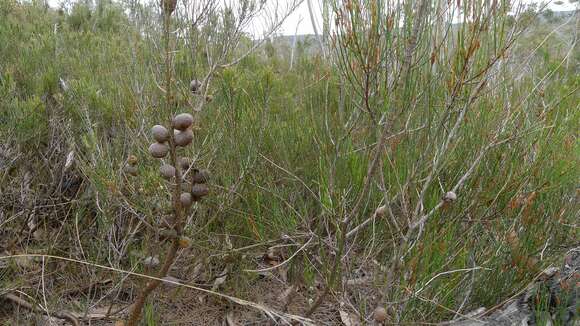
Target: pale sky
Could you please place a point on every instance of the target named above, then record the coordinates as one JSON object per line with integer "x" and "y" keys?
{"x": 305, "y": 26}
{"x": 300, "y": 20}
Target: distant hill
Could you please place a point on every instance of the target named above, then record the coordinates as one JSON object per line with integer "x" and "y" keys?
{"x": 309, "y": 43}
{"x": 306, "y": 43}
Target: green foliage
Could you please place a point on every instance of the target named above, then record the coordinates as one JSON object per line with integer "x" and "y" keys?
{"x": 289, "y": 148}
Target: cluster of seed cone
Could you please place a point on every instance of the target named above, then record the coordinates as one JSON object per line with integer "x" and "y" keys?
{"x": 182, "y": 137}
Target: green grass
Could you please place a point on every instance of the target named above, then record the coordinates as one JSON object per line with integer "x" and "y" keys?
{"x": 296, "y": 162}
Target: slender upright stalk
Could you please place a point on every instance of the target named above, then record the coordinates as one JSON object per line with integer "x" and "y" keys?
{"x": 150, "y": 286}
{"x": 294, "y": 45}
{"x": 314, "y": 26}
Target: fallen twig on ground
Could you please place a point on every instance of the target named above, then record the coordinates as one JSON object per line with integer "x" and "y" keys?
{"x": 64, "y": 315}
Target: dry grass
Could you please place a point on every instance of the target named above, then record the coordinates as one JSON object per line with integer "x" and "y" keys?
{"x": 301, "y": 156}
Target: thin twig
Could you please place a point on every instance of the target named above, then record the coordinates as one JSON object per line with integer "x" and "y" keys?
{"x": 65, "y": 315}
{"x": 268, "y": 311}
{"x": 282, "y": 263}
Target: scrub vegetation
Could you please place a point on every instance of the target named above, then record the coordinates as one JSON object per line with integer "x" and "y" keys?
{"x": 415, "y": 161}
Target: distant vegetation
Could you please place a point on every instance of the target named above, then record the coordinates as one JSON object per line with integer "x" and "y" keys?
{"x": 435, "y": 164}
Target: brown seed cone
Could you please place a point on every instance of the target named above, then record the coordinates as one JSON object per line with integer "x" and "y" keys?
{"x": 380, "y": 314}
{"x": 158, "y": 150}
{"x": 195, "y": 86}
{"x": 132, "y": 160}
{"x": 160, "y": 133}
{"x": 184, "y": 163}
{"x": 183, "y": 138}
{"x": 182, "y": 121}
{"x": 198, "y": 191}
{"x": 186, "y": 199}
{"x": 167, "y": 171}
{"x": 131, "y": 170}
{"x": 201, "y": 176}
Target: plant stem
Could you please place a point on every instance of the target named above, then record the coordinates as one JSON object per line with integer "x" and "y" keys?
{"x": 135, "y": 314}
